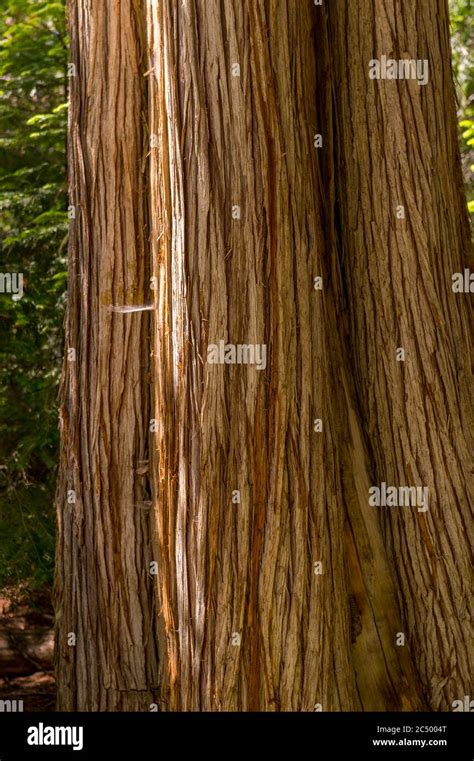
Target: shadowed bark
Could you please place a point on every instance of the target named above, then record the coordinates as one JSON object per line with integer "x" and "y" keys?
{"x": 397, "y": 147}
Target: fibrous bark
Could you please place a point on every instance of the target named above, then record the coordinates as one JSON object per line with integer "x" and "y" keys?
{"x": 106, "y": 648}
{"x": 245, "y": 569}
{"x": 397, "y": 147}
{"x": 201, "y": 194}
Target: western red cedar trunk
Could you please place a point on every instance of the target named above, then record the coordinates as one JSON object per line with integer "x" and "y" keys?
{"x": 247, "y": 497}
{"x": 106, "y": 655}
{"x": 250, "y": 624}
{"x": 385, "y": 674}
{"x": 397, "y": 147}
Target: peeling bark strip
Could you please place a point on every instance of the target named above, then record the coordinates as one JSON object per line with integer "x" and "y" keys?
{"x": 397, "y": 147}
{"x": 249, "y": 623}
{"x": 104, "y": 595}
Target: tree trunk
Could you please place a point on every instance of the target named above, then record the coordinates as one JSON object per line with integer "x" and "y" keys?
{"x": 241, "y": 481}
{"x": 104, "y": 595}
{"x": 250, "y": 622}
{"x": 397, "y": 147}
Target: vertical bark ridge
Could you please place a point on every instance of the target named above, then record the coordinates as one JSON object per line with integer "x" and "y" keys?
{"x": 104, "y": 594}
{"x": 243, "y": 570}
{"x": 398, "y": 146}
{"x": 385, "y": 674}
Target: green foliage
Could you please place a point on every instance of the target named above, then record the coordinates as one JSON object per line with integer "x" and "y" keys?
{"x": 462, "y": 42}
{"x": 33, "y": 232}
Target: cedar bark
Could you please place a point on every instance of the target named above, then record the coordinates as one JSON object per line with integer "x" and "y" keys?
{"x": 165, "y": 140}
{"x": 104, "y": 594}
{"x": 397, "y": 145}
{"x": 247, "y": 568}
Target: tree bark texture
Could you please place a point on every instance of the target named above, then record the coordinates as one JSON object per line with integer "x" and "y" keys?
{"x": 397, "y": 146}
{"x": 239, "y": 569}
{"x": 104, "y": 594}
{"x": 200, "y": 190}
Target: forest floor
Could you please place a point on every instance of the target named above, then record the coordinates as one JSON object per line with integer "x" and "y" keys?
{"x": 26, "y": 654}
